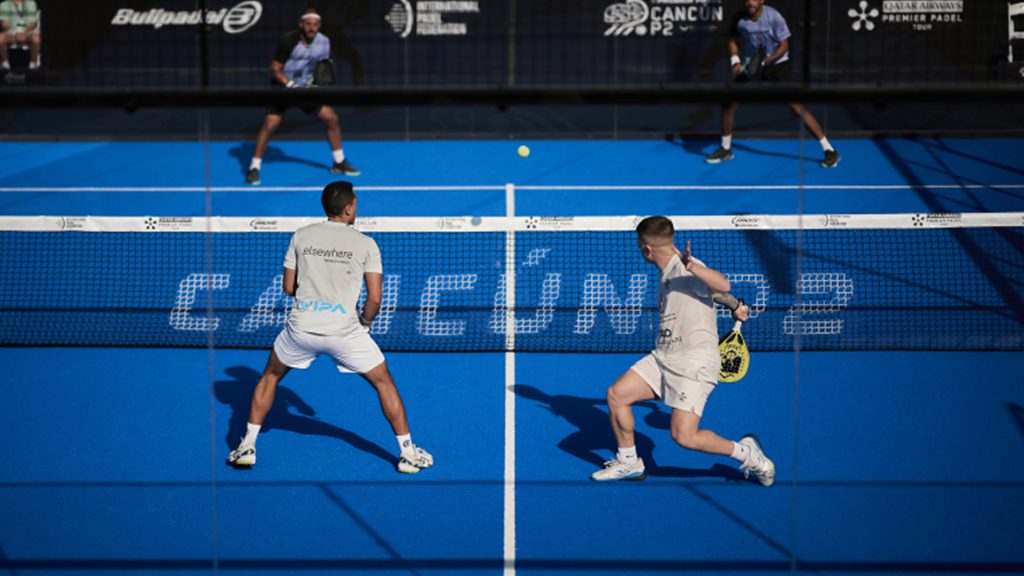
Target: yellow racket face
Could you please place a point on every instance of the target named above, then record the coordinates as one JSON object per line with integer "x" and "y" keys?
{"x": 735, "y": 357}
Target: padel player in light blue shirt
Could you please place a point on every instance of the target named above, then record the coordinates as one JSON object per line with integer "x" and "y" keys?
{"x": 292, "y": 67}
{"x": 759, "y": 52}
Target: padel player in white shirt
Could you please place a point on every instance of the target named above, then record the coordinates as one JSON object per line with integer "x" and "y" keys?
{"x": 683, "y": 368}
{"x": 324, "y": 268}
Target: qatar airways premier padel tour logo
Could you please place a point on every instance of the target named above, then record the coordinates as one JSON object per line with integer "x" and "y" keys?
{"x": 234, "y": 20}
{"x": 920, "y": 15}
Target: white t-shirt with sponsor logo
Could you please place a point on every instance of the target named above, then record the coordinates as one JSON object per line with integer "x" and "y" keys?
{"x": 330, "y": 259}
{"x": 688, "y": 329}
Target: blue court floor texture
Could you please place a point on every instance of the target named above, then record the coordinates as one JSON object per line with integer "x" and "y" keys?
{"x": 112, "y": 460}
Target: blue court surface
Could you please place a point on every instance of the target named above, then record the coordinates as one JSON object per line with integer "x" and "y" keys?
{"x": 888, "y": 462}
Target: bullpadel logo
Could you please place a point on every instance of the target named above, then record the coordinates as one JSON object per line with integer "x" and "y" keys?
{"x": 234, "y": 20}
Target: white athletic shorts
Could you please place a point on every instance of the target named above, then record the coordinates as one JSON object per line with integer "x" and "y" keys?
{"x": 685, "y": 391}
{"x": 356, "y": 352}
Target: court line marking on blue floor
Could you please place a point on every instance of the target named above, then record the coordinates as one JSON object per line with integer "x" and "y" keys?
{"x": 16, "y": 189}
{"x": 509, "y": 507}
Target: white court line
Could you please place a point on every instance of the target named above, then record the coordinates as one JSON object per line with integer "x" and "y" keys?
{"x": 509, "y": 521}
{"x": 236, "y": 188}
{"x": 498, "y": 188}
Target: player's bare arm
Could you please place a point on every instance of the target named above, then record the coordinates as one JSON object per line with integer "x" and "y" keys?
{"x": 740, "y": 311}
{"x": 277, "y": 70}
{"x": 713, "y": 278}
{"x": 781, "y": 51}
{"x": 374, "y": 294}
{"x": 288, "y": 282}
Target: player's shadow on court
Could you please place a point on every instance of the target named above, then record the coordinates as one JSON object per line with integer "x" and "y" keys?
{"x": 702, "y": 147}
{"x": 594, "y": 434}
{"x": 243, "y": 154}
{"x": 290, "y": 412}
{"x": 1017, "y": 413}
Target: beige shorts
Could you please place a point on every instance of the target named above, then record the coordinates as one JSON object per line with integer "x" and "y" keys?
{"x": 356, "y": 352}
{"x": 685, "y": 391}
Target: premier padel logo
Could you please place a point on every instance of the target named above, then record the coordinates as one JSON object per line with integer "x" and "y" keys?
{"x": 234, "y": 20}
{"x": 919, "y": 15}
{"x": 863, "y": 16}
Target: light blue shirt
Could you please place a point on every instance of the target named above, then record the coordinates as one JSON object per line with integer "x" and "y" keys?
{"x": 303, "y": 58}
{"x": 764, "y": 34}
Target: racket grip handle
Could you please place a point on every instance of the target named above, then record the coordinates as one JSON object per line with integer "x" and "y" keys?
{"x": 736, "y": 327}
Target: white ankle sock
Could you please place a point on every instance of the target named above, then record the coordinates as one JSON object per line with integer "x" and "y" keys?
{"x": 403, "y": 441}
{"x": 256, "y": 163}
{"x": 627, "y": 455}
{"x": 727, "y": 142}
{"x": 825, "y": 144}
{"x": 251, "y": 431}
{"x": 740, "y": 453}
{"x": 339, "y": 156}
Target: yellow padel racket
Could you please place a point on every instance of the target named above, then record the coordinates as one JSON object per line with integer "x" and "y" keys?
{"x": 735, "y": 356}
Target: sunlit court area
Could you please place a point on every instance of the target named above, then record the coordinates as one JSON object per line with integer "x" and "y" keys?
{"x": 486, "y": 358}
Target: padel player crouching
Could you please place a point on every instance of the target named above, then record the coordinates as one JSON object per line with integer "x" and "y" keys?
{"x": 324, "y": 269}
{"x": 683, "y": 368}
{"x": 292, "y": 66}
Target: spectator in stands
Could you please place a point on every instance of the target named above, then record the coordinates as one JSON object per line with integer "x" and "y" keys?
{"x": 292, "y": 67}
{"x": 764, "y": 36}
{"x": 19, "y": 25}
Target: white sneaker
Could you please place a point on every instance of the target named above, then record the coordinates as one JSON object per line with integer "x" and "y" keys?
{"x": 5, "y": 65}
{"x": 243, "y": 457}
{"x": 616, "y": 469}
{"x": 414, "y": 459}
{"x": 757, "y": 462}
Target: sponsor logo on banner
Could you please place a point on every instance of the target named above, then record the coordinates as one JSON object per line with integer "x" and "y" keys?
{"x": 835, "y": 220}
{"x": 366, "y": 224}
{"x": 662, "y": 17}
{"x": 234, "y": 20}
{"x": 264, "y": 224}
{"x": 549, "y": 222}
{"x": 937, "y": 220}
{"x": 920, "y": 15}
{"x": 72, "y": 222}
{"x": 168, "y": 223}
{"x": 430, "y": 17}
{"x": 746, "y": 221}
{"x": 1015, "y": 13}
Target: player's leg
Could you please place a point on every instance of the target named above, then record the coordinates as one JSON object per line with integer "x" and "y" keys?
{"x": 266, "y": 388}
{"x": 262, "y": 401}
{"x": 35, "y": 44}
{"x": 412, "y": 458}
{"x": 686, "y": 431}
{"x": 3, "y": 51}
{"x": 270, "y": 125}
{"x": 330, "y": 120}
{"x": 831, "y": 159}
{"x": 391, "y": 404}
{"x": 724, "y": 152}
{"x": 631, "y": 387}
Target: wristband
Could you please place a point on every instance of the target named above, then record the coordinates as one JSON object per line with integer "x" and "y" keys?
{"x": 366, "y": 323}
{"x": 734, "y": 60}
{"x": 290, "y": 84}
